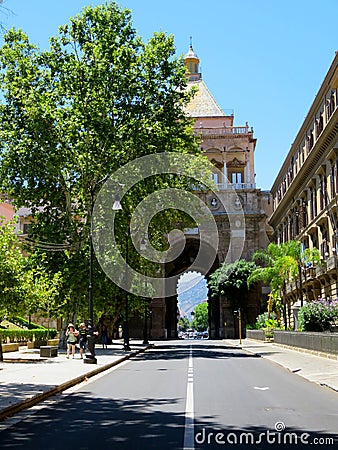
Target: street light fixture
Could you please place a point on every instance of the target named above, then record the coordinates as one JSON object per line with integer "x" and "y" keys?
{"x": 117, "y": 203}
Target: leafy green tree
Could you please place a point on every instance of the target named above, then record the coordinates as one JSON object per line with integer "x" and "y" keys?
{"x": 230, "y": 280}
{"x": 273, "y": 267}
{"x": 44, "y": 293}
{"x": 12, "y": 287}
{"x": 183, "y": 324}
{"x": 201, "y": 317}
{"x": 25, "y": 288}
{"x": 280, "y": 263}
{"x": 301, "y": 257}
{"x": 73, "y": 114}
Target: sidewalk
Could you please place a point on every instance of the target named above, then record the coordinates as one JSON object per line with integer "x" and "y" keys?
{"x": 317, "y": 369}
{"x": 27, "y": 379}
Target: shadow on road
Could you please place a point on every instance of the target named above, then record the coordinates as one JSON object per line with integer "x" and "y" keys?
{"x": 172, "y": 351}
{"x": 84, "y": 422}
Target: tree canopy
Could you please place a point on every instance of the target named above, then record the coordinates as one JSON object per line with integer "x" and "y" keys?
{"x": 201, "y": 317}
{"x": 98, "y": 98}
{"x": 278, "y": 264}
{"x": 12, "y": 285}
{"x": 183, "y": 324}
{"x": 231, "y": 280}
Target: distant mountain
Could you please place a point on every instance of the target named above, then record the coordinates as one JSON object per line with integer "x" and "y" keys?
{"x": 185, "y": 286}
{"x": 191, "y": 292}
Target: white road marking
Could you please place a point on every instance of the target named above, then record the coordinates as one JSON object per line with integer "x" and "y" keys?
{"x": 189, "y": 435}
{"x": 265, "y": 388}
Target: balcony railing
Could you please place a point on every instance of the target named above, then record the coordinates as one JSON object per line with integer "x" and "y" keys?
{"x": 236, "y": 186}
{"x": 331, "y": 262}
{"x": 223, "y": 130}
{"x": 321, "y": 270}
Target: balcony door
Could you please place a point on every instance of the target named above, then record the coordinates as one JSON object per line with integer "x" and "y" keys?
{"x": 236, "y": 178}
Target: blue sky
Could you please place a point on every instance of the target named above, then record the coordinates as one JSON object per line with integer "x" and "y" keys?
{"x": 264, "y": 59}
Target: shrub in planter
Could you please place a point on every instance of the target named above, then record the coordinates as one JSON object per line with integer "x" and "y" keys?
{"x": 270, "y": 326}
{"x": 15, "y": 335}
{"x": 318, "y": 315}
{"x": 262, "y": 321}
{"x": 269, "y": 334}
{"x": 267, "y": 325}
{"x": 22, "y": 336}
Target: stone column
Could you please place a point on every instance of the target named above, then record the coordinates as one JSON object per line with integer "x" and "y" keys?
{"x": 158, "y": 311}
{"x": 225, "y": 175}
{"x": 247, "y": 178}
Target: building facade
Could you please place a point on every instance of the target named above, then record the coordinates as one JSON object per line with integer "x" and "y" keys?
{"x": 231, "y": 150}
{"x": 21, "y": 218}
{"x": 305, "y": 192}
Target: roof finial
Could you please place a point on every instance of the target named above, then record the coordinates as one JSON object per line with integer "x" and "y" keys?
{"x": 191, "y": 41}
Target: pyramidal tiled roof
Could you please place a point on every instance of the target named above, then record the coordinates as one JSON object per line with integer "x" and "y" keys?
{"x": 203, "y": 103}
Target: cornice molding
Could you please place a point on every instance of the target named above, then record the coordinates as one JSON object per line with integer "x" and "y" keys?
{"x": 307, "y": 171}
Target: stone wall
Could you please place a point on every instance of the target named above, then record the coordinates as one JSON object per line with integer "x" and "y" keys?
{"x": 318, "y": 342}
{"x": 256, "y": 334}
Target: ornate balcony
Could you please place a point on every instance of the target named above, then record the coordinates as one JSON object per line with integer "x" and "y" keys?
{"x": 331, "y": 262}
{"x": 223, "y": 130}
{"x": 236, "y": 186}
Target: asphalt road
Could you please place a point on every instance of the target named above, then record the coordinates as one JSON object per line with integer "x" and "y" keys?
{"x": 184, "y": 395}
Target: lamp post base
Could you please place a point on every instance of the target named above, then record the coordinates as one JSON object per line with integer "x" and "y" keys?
{"x": 90, "y": 355}
{"x": 89, "y": 359}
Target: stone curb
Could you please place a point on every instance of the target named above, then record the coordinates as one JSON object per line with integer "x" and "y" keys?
{"x": 29, "y": 402}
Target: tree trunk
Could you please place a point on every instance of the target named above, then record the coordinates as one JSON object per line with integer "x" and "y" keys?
{"x": 1, "y": 354}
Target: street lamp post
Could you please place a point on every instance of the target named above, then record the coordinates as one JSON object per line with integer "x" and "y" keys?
{"x": 143, "y": 246}
{"x": 240, "y": 325}
{"x": 90, "y": 357}
{"x": 116, "y": 207}
{"x": 126, "y": 345}
{"x": 91, "y": 260}
{"x": 238, "y": 315}
{"x": 145, "y": 331}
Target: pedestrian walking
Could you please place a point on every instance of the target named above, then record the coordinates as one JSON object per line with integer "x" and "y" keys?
{"x": 83, "y": 338}
{"x": 104, "y": 336}
{"x": 71, "y": 334}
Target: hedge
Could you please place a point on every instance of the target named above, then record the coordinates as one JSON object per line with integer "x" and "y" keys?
{"x": 27, "y": 335}
{"x": 21, "y": 322}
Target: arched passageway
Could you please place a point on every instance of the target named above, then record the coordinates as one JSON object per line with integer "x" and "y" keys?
{"x": 177, "y": 268}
